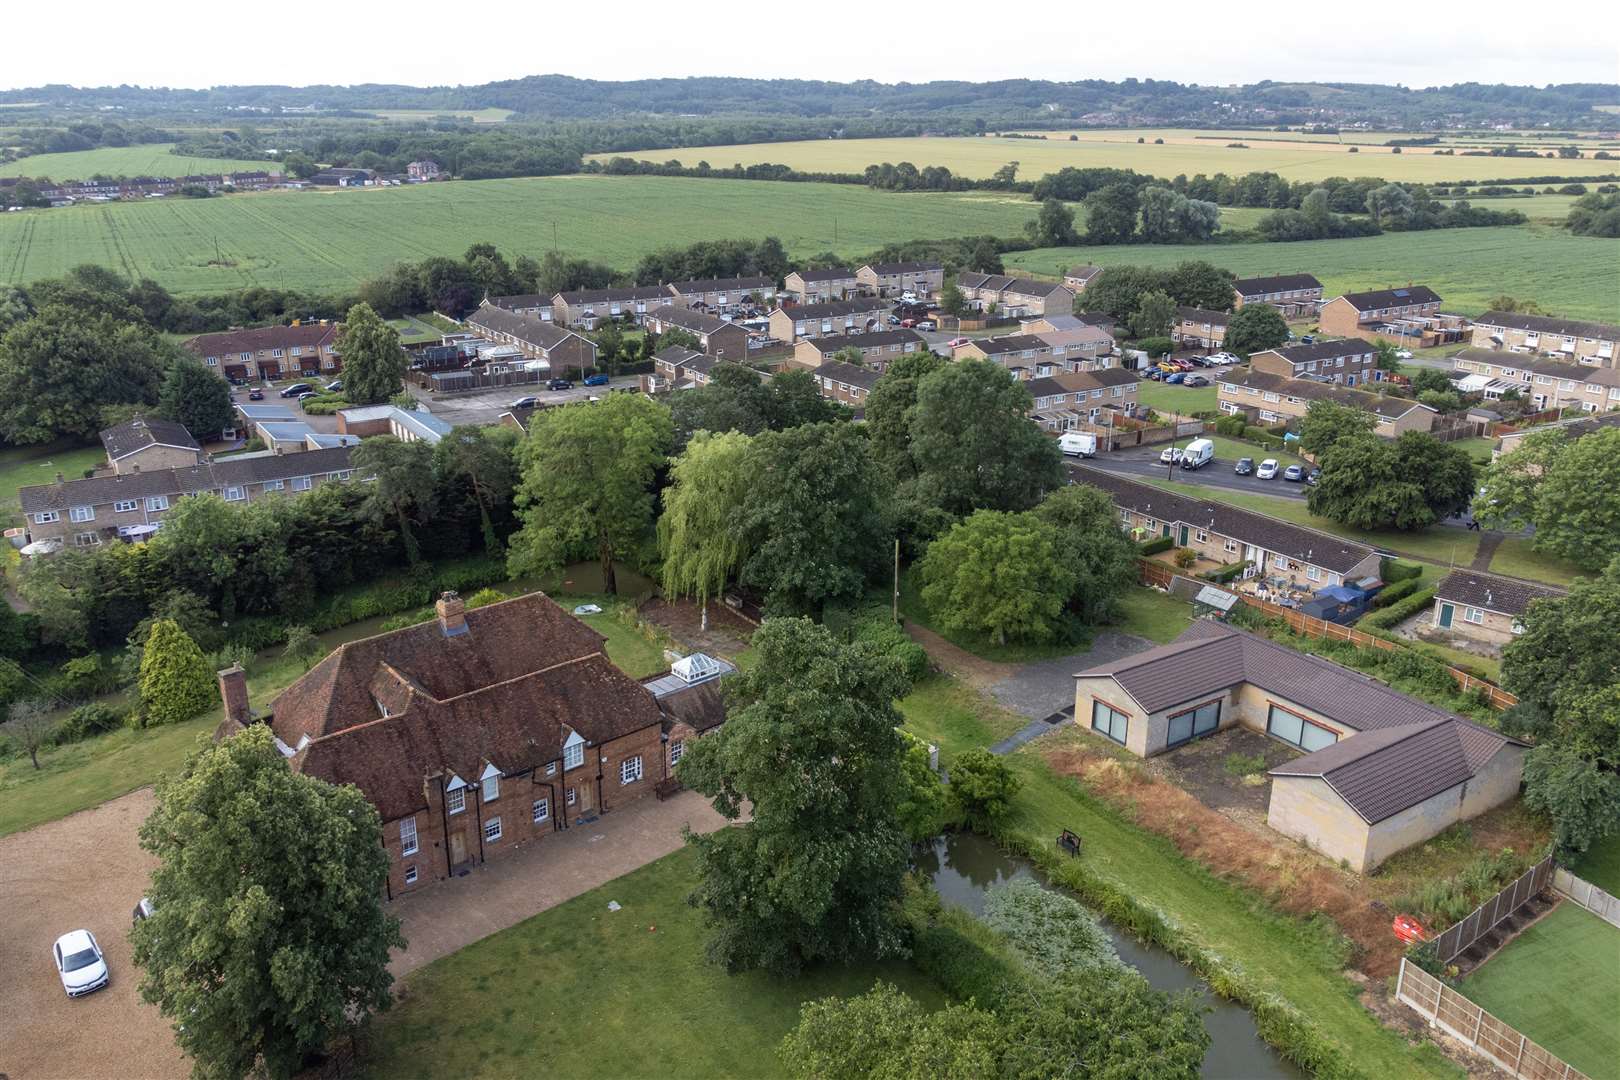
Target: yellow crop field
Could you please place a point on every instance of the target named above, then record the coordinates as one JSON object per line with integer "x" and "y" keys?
{"x": 1181, "y": 152}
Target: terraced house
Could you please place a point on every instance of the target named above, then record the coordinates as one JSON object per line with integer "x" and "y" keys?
{"x": 587, "y": 307}
{"x": 715, "y": 335}
{"x": 1199, "y": 327}
{"x": 1547, "y": 384}
{"x": 722, "y": 294}
{"x": 1069, "y": 399}
{"x": 878, "y": 348}
{"x": 131, "y": 505}
{"x": 1575, "y": 340}
{"x": 858, "y": 316}
{"x": 1265, "y": 398}
{"x": 1016, "y": 298}
{"x": 474, "y": 734}
{"x": 1024, "y": 355}
{"x": 1076, "y": 278}
{"x": 1297, "y": 296}
{"x": 847, "y": 383}
{"x": 819, "y": 286}
{"x": 271, "y": 352}
{"x": 1310, "y": 560}
{"x": 1350, "y": 361}
{"x": 923, "y": 279}
{"x": 534, "y": 338}
{"x": 1410, "y": 316}
{"x": 1379, "y": 772}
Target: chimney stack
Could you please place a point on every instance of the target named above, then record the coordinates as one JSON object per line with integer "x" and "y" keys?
{"x": 452, "y": 614}
{"x": 233, "y": 692}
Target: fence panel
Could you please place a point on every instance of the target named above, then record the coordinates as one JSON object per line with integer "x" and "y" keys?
{"x": 1588, "y": 896}
{"x": 1483, "y": 1033}
{"x": 1489, "y": 915}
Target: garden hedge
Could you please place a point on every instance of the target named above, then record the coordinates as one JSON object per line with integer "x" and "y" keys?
{"x": 1387, "y": 618}
{"x": 1157, "y": 544}
{"x": 1398, "y": 591}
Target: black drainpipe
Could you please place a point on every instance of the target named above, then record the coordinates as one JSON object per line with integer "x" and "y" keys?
{"x": 478, "y": 810}
{"x": 444, "y": 830}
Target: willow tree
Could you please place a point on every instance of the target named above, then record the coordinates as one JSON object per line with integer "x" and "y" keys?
{"x": 700, "y": 537}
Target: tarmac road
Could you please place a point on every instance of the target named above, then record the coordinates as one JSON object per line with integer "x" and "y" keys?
{"x": 1143, "y": 463}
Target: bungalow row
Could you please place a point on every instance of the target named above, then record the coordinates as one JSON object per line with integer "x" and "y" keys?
{"x": 1547, "y": 384}
{"x": 269, "y": 353}
{"x": 1483, "y": 608}
{"x": 1575, "y": 340}
{"x": 1265, "y": 398}
{"x": 1379, "y": 771}
{"x": 1410, "y": 316}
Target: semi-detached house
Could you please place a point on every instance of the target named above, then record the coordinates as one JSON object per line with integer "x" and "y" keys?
{"x": 1014, "y": 297}
{"x": 715, "y": 336}
{"x": 271, "y": 352}
{"x": 1409, "y": 316}
{"x": 1199, "y": 326}
{"x": 924, "y": 279}
{"x": 819, "y": 286}
{"x": 1066, "y": 400}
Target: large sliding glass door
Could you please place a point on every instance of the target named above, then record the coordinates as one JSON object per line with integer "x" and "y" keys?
{"x": 1293, "y": 728}
{"x": 1192, "y": 723}
{"x": 1109, "y": 722}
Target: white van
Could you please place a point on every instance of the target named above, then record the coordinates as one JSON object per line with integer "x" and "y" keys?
{"x": 1078, "y": 444}
{"x": 1199, "y": 452}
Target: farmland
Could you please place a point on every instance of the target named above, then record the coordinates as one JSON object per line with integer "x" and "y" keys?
{"x": 331, "y": 241}
{"x": 152, "y": 159}
{"x": 1576, "y": 276}
{"x": 1180, "y": 153}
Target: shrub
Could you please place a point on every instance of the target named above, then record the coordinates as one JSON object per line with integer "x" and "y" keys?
{"x": 1243, "y": 764}
{"x": 87, "y": 676}
{"x": 1393, "y": 570}
{"x": 1227, "y": 573}
{"x": 877, "y": 628}
{"x": 1185, "y": 557}
{"x": 1156, "y": 347}
{"x": 1157, "y": 544}
{"x": 1231, "y": 425}
{"x": 1440, "y": 903}
{"x": 1388, "y": 617}
{"x": 1391, "y": 593}
{"x": 87, "y": 720}
{"x": 227, "y": 655}
{"x": 982, "y": 786}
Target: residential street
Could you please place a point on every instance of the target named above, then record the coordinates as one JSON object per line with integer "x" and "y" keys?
{"x": 1143, "y": 463}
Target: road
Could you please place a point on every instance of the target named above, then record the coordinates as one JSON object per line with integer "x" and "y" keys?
{"x": 1143, "y": 463}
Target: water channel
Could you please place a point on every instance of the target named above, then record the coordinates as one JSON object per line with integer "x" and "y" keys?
{"x": 964, "y": 867}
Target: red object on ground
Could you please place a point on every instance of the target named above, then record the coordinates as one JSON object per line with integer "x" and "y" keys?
{"x": 1408, "y": 929}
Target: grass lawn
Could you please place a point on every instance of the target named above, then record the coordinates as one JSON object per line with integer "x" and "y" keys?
{"x": 1167, "y": 397}
{"x": 412, "y": 332}
{"x": 1153, "y": 615}
{"x": 1601, "y": 865}
{"x": 1229, "y": 450}
{"x": 1477, "y": 448}
{"x": 1559, "y": 984}
{"x": 151, "y": 159}
{"x": 632, "y": 645}
{"x": 21, "y": 466}
{"x": 1516, "y": 558}
{"x": 577, "y": 986}
{"x": 1292, "y": 959}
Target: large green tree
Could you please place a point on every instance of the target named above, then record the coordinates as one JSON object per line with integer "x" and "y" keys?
{"x": 888, "y": 411}
{"x": 1111, "y": 214}
{"x": 1569, "y": 490}
{"x": 1154, "y": 313}
{"x": 268, "y": 937}
{"x": 737, "y": 399}
{"x": 373, "y": 362}
{"x": 698, "y": 536}
{"x": 176, "y": 683}
{"x": 1096, "y": 550}
{"x": 1328, "y": 423}
{"x": 812, "y": 745}
{"x": 196, "y": 399}
{"x": 399, "y": 486}
{"x": 998, "y": 576}
{"x": 61, "y": 368}
{"x": 587, "y": 484}
{"x": 481, "y": 462}
{"x": 1054, "y": 225}
{"x": 1409, "y": 484}
{"x": 1254, "y": 328}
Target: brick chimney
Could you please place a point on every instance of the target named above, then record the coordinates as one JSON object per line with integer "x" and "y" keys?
{"x": 233, "y": 692}
{"x": 452, "y": 614}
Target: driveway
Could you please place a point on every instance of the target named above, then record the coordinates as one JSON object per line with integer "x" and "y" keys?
{"x": 1040, "y": 689}
{"x": 85, "y": 871}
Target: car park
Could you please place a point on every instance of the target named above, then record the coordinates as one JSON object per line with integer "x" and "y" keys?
{"x": 599, "y": 379}
{"x": 296, "y": 389}
{"x": 1244, "y": 466}
{"x": 1267, "y": 469}
{"x": 528, "y": 402}
{"x": 559, "y": 384}
{"x": 1176, "y": 377}
{"x": 1294, "y": 473}
{"x": 79, "y": 962}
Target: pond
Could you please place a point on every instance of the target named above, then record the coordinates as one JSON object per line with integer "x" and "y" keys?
{"x": 964, "y": 867}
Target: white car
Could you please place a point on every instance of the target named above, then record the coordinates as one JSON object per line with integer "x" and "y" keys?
{"x": 1403, "y": 354}
{"x": 1221, "y": 358}
{"x": 1170, "y": 456}
{"x": 79, "y": 962}
{"x": 1267, "y": 469}
{"x": 908, "y": 298}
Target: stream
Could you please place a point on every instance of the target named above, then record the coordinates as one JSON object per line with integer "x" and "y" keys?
{"x": 964, "y": 867}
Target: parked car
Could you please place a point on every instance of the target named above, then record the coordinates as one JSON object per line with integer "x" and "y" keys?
{"x": 527, "y": 402}
{"x": 956, "y": 342}
{"x": 894, "y": 320}
{"x": 1313, "y": 476}
{"x": 1223, "y": 358}
{"x": 926, "y": 324}
{"x": 1244, "y": 466}
{"x": 143, "y": 910}
{"x": 1152, "y": 373}
{"x": 1170, "y": 455}
{"x": 599, "y": 379}
{"x": 1294, "y": 473}
{"x": 907, "y": 324}
{"x": 1199, "y": 452}
{"x": 1176, "y": 377}
{"x": 305, "y": 396}
{"x": 334, "y": 386}
{"x": 79, "y": 963}
{"x": 908, "y": 298}
{"x": 1267, "y": 469}
{"x": 1403, "y": 354}
{"x": 1307, "y": 339}
{"x": 255, "y": 394}
{"x": 1196, "y": 380}
{"x": 559, "y": 384}
{"x": 297, "y": 388}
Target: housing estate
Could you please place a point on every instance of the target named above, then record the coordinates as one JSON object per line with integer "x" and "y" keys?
{"x": 1066, "y": 400}
{"x": 474, "y": 733}
{"x": 922, "y": 279}
{"x": 675, "y": 367}
{"x": 1410, "y": 316}
{"x": 877, "y": 348}
{"x": 1547, "y": 384}
{"x": 1265, "y": 398}
{"x": 715, "y": 335}
{"x": 1083, "y": 348}
{"x": 586, "y": 307}
{"x": 1484, "y": 608}
{"x": 832, "y": 317}
{"x": 130, "y": 505}
{"x": 1295, "y": 295}
{"x": 271, "y": 352}
{"x": 141, "y": 443}
{"x": 1380, "y": 771}
{"x": 1570, "y": 339}
{"x": 1201, "y": 327}
{"x": 723, "y": 294}
{"x": 847, "y": 383}
{"x": 1042, "y": 324}
{"x": 1024, "y": 355}
{"x": 534, "y": 338}
{"x": 1014, "y": 297}
{"x": 1349, "y": 361}
{"x": 1310, "y": 560}
{"x": 1076, "y": 278}
{"x": 818, "y": 286}
{"x": 526, "y": 304}
{"x": 1576, "y": 428}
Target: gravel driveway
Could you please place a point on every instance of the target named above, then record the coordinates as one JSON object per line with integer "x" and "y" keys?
{"x": 1040, "y": 689}
{"x": 85, "y": 871}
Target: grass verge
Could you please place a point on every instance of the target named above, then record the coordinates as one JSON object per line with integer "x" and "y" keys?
{"x": 1516, "y": 558}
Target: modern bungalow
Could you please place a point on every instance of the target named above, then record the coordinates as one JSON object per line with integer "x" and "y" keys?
{"x": 1484, "y": 608}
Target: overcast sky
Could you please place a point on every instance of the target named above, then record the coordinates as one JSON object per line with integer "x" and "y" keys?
{"x": 191, "y": 43}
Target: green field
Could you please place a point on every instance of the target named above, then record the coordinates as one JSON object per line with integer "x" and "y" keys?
{"x": 331, "y": 241}
{"x": 1559, "y": 984}
{"x": 1181, "y": 153}
{"x": 1601, "y": 865}
{"x": 22, "y": 466}
{"x": 1576, "y": 276}
{"x": 477, "y": 116}
{"x": 152, "y": 159}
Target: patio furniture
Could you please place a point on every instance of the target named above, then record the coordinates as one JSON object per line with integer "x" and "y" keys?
{"x": 1069, "y": 842}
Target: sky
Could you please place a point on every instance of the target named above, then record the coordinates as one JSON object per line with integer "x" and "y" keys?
{"x": 191, "y": 43}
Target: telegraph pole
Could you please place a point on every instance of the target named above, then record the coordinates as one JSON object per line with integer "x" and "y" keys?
{"x": 897, "y": 579}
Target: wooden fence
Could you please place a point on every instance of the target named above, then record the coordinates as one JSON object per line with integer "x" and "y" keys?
{"x": 1159, "y": 575}
{"x": 1489, "y": 915}
{"x": 1587, "y": 895}
{"x": 1483, "y": 1033}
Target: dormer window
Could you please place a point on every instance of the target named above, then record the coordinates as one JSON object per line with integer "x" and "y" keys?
{"x": 455, "y": 795}
{"x": 573, "y": 751}
{"x": 492, "y": 783}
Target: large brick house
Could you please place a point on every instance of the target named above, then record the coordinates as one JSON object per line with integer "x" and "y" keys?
{"x": 819, "y": 286}
{"x": 1014, "y": 297}
{"x": 1349, "y": 361}
{"x": 1547, "y": 384}
{"x": 1409, "y": 316}
{"x": 715, "y": 336}
{"x": 271, "y": 352}
{"x": 475, "y": 733}
{"x": 924, "y": 279}
{"x": 1295, "y": 295}
{"x": 1576, "y": 340}
{"x": 149, "y": 444}
{"x": 1265, "y": 398}
{"x": 857, "y": 316}
{"x": 534, "y": 338}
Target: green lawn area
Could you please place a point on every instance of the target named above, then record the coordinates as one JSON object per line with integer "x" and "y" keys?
{"x": 1559, "y": 984}
{"x": 1516, "y": 558}
{"x": 631, "y": 644}
{"x": 1164, "y": 397}
{"x": 413, "y": 332}
{"x": 1154, "y": 615}
{"x": 1229, "y": 450}
{"x": 595, "y": 993}
{"x": 21, "y": 466}
{"x": 1287, "y": 956}
{"x": 151, "y": 159}
{"x": 1601, "y": 865}
{"x": 1477, "y": 448}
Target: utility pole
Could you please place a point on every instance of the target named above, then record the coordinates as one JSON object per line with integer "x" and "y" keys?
{"x": 897, "y": 579}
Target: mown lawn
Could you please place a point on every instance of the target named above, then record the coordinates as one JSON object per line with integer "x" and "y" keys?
{"x": 1516, "y": 558}
{"x": 1168, "y": 397}
{"x": 581, "y": 991}
{"x": 1601, "y": 865}
{"x": 1559, "y": 984}
{"x": 1153, "y": 615}
{"x": 634, "y": 646}
{"x": 1296, "y": 961}
{"x": 22, "y": 466}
